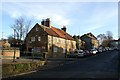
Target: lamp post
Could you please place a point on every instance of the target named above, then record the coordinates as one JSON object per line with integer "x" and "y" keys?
{"x": 65, "y": 45}
{"x": 14, "y": 47}
{"x": 2, "y": 43}
{"x": 32, "y": 54}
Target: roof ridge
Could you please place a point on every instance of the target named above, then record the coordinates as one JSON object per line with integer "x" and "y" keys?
{"x": 42, "y": 26}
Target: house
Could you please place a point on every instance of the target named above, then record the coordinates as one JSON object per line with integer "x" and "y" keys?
{"x": 106, "y": 43}
{"x": 47, "y": 38}
{"x": 90, "y": 41}
{"x": 114, "y": 43}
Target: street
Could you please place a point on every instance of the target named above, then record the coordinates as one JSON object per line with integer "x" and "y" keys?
{"x": 100, "y": 66}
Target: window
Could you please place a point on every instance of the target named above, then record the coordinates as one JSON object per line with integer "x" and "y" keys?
{"x": 60, "y": 41}
{"x": 39, "y": 38}
{"x": 32, "y": 38}
{"x": 36, "y": 29}
{"x": 55, "y": 49}
{"x": 50, "y": 40}
{"x": 55, "y": 39}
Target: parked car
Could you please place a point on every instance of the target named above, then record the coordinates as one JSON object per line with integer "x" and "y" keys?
{"x": 103, "y": 50}
{"x": 107, "y": 48}
{"x": 115, "y": 48}
{"x": 93, "y": 51}
{"x": 77, "y": 53}
{"x": 110, "y": 49}
{"x": 87, "y": 53}
{"x": 80, "y": 53}
{"x": 72, "y": 55}
{"x": 99, "y": 50}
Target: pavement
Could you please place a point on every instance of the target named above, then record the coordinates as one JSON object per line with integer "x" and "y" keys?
{"x": 55, "y": 62}
{"x": 29, "y": 59}
{"x": 5, "y": 61}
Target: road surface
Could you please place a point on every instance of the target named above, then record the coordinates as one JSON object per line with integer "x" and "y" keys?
{"x": 103, "y": 66}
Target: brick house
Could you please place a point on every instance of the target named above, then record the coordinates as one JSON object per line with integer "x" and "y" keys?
{"x": 90, "y": 41}
{"x": 46, "y": 38}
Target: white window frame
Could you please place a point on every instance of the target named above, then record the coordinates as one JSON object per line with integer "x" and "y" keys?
{"x": 39, "y": 38}
{"x": 32, "y": 38}
{"x": 55, "y": 49}
{"x": 55, "y": 39}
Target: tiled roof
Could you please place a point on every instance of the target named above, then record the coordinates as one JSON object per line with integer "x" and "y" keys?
{"x": 91, "y": 35}
{"x": 50, "y": 31}
{"x": 61, "y": 33}
{"x": 57, "y": 32}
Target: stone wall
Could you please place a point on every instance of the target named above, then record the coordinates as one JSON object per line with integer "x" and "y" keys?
{"x": 56, "y": 45}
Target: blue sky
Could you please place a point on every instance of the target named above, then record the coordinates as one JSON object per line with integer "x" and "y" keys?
{"x": 79, "y": 17}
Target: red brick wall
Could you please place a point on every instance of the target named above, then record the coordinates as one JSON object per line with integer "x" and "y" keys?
{"x": 8, "y": 54}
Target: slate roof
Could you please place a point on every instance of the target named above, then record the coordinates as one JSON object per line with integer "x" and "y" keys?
{"x": 89, "y": 35}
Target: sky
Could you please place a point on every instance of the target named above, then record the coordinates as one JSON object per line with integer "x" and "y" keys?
{"x": 80, "y": 17}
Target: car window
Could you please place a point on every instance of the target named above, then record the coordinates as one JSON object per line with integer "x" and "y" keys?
{"x": 76, "y": 51}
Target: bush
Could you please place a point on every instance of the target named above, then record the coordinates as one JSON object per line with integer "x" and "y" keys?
{"x": 15, "y": 68}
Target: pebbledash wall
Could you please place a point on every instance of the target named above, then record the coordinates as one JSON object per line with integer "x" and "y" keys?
{"x": 9, "y": 54}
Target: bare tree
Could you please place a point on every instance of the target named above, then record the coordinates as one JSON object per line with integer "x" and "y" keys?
{"x": 105, "y": 38}
{"x": 21, "y": 27}
{"x": 109, "y": 35}
{"x": 101, "y": 38}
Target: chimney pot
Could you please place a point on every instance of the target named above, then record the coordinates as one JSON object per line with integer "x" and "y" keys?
{"x": 46, "y": 22}
{"x": 64, "y": 28}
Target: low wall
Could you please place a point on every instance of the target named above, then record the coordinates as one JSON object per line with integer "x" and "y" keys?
{"x": 8, "y": 54}
{"x": 10, "y": 69}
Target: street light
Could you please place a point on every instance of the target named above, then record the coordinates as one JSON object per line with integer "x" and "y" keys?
{"x": 14, "y": 47}
{"x": 32, "y": 50}
{"x": 32, "y": 54}
{"x": 2, "y": 44}
{"x": 65, "y": 45}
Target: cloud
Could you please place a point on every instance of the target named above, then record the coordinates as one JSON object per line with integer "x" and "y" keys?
{"x": 61, "y": 20}
{"x": 39, "y": 11}
{"x": 16, "y": 14}
{"x": 84, "y": 16}
{"x": 12, "y": 9}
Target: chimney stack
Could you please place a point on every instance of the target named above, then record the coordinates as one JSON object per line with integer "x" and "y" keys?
{"x": 46, "y": 22}
{"x": 43, "y": 22}
{"x": 64, "y": 28}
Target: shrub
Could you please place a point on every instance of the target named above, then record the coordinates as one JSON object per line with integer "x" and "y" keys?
{"x": 15, "y": 68}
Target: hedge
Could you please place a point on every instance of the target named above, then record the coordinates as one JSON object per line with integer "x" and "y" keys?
{"x": 16, "y": 68}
